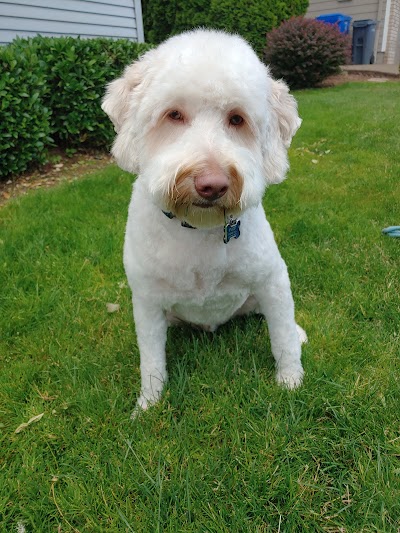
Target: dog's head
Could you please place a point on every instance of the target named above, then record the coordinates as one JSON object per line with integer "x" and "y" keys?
{"x": 203, "y": 124}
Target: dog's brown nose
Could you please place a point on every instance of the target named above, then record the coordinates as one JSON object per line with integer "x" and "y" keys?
{"x": 211, "y": 186}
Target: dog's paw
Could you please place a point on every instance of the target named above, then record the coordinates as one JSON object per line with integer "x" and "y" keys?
{"x": 302, "y": 335}
{"x": 290, "y": 377}
{"x": 136, "y": 412}
{"x": 142, "y": 405}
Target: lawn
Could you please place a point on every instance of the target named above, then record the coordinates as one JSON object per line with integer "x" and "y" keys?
{"x": 226, "y": 450}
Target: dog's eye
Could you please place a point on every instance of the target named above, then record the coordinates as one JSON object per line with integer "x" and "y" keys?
{"x": 236, "y": 120}
{"x": 176, "y": 115}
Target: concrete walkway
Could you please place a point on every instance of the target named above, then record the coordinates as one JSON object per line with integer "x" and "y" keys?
{"x": 375, "y": 69}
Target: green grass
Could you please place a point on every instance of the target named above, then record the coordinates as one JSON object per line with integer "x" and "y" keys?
{"x": 226, "y": 450}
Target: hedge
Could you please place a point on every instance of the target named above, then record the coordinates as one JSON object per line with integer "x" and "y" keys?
{"x": 24, "y": 116}
{"x": 250, "y": 18}
{"x": 51, "y": 90}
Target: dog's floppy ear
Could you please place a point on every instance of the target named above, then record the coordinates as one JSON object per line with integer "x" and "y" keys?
{"x": 285, "y": 107}
{"x": 284, "y": 123}
{"x": 123, "y": 99}
{"x": 118, "y": 93}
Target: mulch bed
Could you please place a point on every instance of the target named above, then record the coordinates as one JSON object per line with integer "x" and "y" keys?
{"x": 61, "y": 168}
{"x": 348, "y": 76}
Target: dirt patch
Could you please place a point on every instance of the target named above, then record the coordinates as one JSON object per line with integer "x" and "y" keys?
{"x": 347, "y": 77}
{"x": 60, "y": 168}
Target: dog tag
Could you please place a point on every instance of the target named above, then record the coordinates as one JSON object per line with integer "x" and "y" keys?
{"x": 231, "y": 229}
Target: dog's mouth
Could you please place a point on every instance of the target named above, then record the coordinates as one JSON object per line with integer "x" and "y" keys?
{"x": 204, "y": 215}
{"x": 204, "y": 205}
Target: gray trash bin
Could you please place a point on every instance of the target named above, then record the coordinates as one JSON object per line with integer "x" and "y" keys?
{"x": 363, "y": 42}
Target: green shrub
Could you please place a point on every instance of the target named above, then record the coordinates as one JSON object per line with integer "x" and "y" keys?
{"x": 77, "y": 71}
{"x": 24, "y": 118}
{"x": 158, "y": 19}
{"x": 51, "y": 90}
{"x": 251, "y": 19}
{"x": 254, "y": 19}
{"x": 306, "y": 51}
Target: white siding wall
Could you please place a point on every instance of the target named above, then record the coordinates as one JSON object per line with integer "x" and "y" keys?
{"x": 86, "y": 18}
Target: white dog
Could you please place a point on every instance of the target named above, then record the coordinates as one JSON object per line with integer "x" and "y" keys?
{"x": 206, "y": 128}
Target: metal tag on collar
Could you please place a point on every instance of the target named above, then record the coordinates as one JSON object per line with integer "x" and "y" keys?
{"x": 231, "y": 229}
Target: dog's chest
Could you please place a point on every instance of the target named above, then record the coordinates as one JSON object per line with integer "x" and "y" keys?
{"x": 207, "y": 297}
{"x": 204, "y": 285}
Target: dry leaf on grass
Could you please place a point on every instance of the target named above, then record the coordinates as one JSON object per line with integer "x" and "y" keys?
{"x": 112, "y": 308}
{"x": 30, "y": 421}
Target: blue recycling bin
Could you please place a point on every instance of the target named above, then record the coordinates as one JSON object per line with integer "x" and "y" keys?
{"x": 337, "y": 19}
{"x": 363, "y": 42}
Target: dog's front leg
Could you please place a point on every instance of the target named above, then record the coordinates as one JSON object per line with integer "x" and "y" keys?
{"x": 276, "y": 304}
{"x": 151, "y": 333}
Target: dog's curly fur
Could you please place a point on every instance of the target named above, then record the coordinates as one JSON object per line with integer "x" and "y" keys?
{"x": 206, "y": 128}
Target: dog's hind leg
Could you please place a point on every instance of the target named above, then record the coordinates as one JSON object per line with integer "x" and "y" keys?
{"x": 251, "y": 306}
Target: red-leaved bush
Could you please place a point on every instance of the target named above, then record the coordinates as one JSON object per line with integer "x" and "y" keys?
{"x": 306, "y": 51}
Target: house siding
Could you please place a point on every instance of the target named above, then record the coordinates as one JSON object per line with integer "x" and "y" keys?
{"x": 386, "y": 50}
{"x": 357, "y": 9}
{"x": 393, "y": 41}
{"x": 84, "y": 18}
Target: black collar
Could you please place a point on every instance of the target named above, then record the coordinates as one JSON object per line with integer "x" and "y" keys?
{"x": 231, "y": 226}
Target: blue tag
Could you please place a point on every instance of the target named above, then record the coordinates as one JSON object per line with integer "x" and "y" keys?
{"x": 231, "y": 229}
